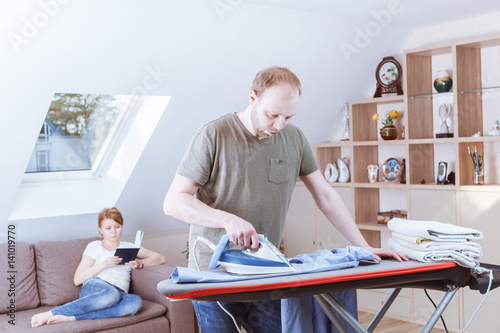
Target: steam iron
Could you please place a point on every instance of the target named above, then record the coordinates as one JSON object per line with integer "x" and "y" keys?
{"x": 267, "y": 259}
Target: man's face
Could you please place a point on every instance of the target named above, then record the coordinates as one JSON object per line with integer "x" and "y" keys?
{"x": 273, "y": 110}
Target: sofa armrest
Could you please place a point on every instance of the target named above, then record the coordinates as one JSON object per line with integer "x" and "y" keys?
{"x": 179, "y": 313}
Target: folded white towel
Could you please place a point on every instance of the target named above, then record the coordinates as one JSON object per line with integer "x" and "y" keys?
{"x": 470, "y": 249}
{"x": 433, "y": 256}
{"x": 433, "y": 230}
{"x": 411, "y": 239}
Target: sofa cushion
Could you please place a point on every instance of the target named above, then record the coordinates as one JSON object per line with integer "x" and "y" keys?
{"x": 148, "y": 311}
{"x": 56, "y": 263}
{"x": 20, "y": 286}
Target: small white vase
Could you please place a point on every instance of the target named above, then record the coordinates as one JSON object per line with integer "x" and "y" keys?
{"x": 343, "y": 170}
{"x": 372, "y": 173}
{"x": 331, "y": 173}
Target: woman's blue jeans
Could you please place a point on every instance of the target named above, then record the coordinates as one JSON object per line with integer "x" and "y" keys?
{"x": 100, "y": 299}
{"x": 255, "y": 317}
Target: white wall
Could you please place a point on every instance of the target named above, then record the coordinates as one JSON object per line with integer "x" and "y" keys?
{"x": 205, "y": 59}
{"x": 483, "y": 25}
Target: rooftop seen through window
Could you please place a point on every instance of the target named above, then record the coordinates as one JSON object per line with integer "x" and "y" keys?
{"x": 78, "y": 131}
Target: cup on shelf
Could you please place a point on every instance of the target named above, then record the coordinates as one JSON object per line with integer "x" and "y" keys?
{"x": 477, "y": 161}
{"x": 479, "y": 175}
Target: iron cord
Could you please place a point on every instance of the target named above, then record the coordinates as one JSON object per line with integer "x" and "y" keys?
{"x": 478, "y": 270}
{"x": 204, "y": 240}
{"x": 442, "y": 319}
{"x": 490, "y": 272}
{"x": 230, "y": 315}
{"x": 212, "y": 246}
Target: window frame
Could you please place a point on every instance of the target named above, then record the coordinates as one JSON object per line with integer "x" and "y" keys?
{"x": 105, "y": 154}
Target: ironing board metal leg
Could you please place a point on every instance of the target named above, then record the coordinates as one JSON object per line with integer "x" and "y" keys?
{"x": 440, "y": 308}
{"x": 329, "y": 312}
{"x": 381, "y": 313}
{"x": 346, "y": 315}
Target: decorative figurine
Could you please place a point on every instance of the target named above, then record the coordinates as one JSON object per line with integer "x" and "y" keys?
{"x": 451, "y": 178}
{"x": 496, "y": 129}
{"x": 402, "y": 178}
{"x": 331, "y": 173}
{"x": 346, "y": 132}
{"x": 343, "y": 170}
{"x": 444, "y": 114}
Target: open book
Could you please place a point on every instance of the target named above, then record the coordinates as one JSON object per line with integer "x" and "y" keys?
{"x": 129, "y": 253}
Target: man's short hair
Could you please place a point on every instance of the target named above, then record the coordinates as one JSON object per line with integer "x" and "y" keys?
{"x": 272, "y": 76}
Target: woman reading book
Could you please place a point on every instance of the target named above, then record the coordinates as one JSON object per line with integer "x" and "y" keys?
{"x": 104, "y": 292}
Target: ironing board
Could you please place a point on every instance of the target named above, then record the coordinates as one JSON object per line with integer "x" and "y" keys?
{"x": 446, "y": 276}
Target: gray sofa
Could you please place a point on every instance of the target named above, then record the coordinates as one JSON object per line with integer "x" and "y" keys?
{"x": 38, "y": 277}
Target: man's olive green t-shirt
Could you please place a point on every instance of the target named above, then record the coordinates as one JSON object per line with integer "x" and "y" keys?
{"x": 242, "y": 175}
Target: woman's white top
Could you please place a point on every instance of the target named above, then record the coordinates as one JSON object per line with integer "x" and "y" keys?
{"x": 118, "y": 275}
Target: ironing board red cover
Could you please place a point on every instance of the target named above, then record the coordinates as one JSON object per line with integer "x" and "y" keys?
{"x": 387, "y": 274}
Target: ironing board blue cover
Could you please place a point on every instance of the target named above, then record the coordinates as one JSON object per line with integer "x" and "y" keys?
{"x": 322, "y": 260}
{"x": 387, "y": 274}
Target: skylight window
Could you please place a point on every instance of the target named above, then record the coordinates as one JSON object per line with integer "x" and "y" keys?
{"x": 78, "y": 132}
{"x": 63, "y": 193}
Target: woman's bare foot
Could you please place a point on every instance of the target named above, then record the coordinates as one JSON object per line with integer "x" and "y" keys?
{"x": 40, "y": 319}
{"x": 60, "y": 319}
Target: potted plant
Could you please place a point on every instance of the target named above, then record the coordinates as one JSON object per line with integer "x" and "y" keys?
{"x": 389, "y": 131}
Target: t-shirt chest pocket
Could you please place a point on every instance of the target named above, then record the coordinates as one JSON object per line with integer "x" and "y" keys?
{"x": 278, "y": 171}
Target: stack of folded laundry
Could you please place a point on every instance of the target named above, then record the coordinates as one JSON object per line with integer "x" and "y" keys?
{"x": 432, "y": 241}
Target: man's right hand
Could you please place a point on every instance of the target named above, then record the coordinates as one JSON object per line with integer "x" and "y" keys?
{"x": 181, "y": 203}
{"x": 242, "y": 232}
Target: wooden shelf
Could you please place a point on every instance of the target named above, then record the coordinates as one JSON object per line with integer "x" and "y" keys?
{"x": 346, "y": 143}
{"x": 373, "y": 226}
{"x": 474, "y": 109}
{"x": 432, "y": 141}
{"x": 380, "y": 100}
{"x": 480, "y": 90}
{"x": 381, "y": 185}
{"x": 433, "y": 186}
{"x": 480, "y": 139}
{"x": 419, "y": 147}
{"x": 337, "y": 184}
{"x": 480, "y": 188}
{"x": 379, "y": 143}
{"x": 432, "y": 95}
{"x": 429, "y": 186}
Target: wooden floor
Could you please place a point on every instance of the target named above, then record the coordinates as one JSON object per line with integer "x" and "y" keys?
{"x": 386, "y": 325}
{"x": 390, "y": 325}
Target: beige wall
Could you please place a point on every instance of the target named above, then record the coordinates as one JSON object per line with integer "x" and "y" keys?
{"x": 169, "y": 243}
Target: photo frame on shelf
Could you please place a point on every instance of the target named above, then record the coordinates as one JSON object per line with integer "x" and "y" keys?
{"x": 391, "y": 169}
{"x": 389, "y": 77}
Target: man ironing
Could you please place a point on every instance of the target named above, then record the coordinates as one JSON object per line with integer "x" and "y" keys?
{"x": 237, "y": 177}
